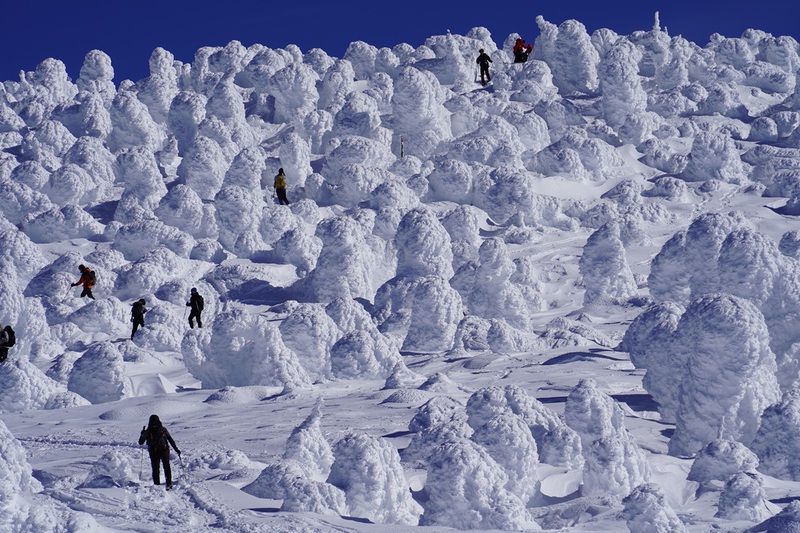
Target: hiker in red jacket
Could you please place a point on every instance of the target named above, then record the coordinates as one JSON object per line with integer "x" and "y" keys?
{"x": 521, "y": 51}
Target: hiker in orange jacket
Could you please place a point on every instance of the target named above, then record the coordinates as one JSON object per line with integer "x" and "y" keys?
{"x": 87, "y": 280}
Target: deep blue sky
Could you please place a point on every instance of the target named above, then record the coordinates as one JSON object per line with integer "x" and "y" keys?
{"x": 129, "y": 30}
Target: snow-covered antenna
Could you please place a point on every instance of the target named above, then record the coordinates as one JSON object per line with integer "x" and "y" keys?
{"x": 657, "y": 23}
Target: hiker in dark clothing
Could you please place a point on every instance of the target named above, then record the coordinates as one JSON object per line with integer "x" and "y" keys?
{"x": 7, "y": 340}
{"x": 87, "y": 280}
{"x": 484, "y": 60}
{"x": 280, "y": 187}
{"x": 196, "y": 303}
{"x": 158, "y": 441}
{"x": 138, "y": 310}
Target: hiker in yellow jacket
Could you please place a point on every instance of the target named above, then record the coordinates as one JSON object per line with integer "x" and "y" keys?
{"x": 280, "y": 187}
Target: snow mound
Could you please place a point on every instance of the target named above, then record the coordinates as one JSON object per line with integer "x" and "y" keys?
{"x": 242, "y": 349}
{"x": 646, "y": 510}
{"x": 774, "y": 443}
{"x": 720, "y": 459}
{"x": 99, "y": 374}
{"x": 466, "y": 490}
{"x": 368, "y": 470}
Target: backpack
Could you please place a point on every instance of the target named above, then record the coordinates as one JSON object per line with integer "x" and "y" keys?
{"x": 12, "y": 337}
{"x": 200, "y": 303}
{"x": 92, "y": 275}
{"x": 157, "y": 439}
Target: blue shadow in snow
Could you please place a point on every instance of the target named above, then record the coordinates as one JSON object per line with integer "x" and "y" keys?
{"x": 259, "y": 292}
{"x": 572, "y": 357}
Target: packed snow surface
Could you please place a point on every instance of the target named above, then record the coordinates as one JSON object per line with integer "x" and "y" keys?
{"x": 566, "y": 300}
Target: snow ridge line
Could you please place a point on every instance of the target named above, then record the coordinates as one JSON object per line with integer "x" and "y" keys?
{"x": 72, "y": 442}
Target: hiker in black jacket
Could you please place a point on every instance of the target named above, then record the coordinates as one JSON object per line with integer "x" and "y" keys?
{"x": 138, "y": 310}
{"x": 196, "y": 304}
{"x": 158, "y": 440}
{"x": 484, "y": 60}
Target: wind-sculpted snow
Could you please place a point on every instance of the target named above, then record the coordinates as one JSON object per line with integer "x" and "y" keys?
{"x": 647, "y": 511}
{"x": 20, "y": 508}
{"x": 744, "y": 498}
{"x": 146, "y": 275}
{"x": 648, "y": 341}
{"x": 721, "y": 459}
{"x": 614, "y": 463}
{"x": 681, "y": 270}
{"x": 99, "y": 374}
{"x": 569, "y": 52}
{"x": 488, "y": 291}
{"x": 714, "y": 156}
{"x": 724, "y": 338}
{"x": 113, "y": 469}
{"x": 369, "y": 472}
{"x": 342, "y": 268}
{"x": 310, "y": 333}
{"x": 242, "y": 349}
{"x": 606, "y": 274}
{"x": 775, "y": 443}
{"x": 555, "y": 443}
{"x": 308, "y": 446}
{"x": 466, "y": 490}
{"x": 419, "y": 114}
{"x": 450, "y": 250}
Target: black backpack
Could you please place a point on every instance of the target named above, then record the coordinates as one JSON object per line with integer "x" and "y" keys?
{"x": 157, "y": 439}
{"x": 92, "y": 276}
{"x": 200, "y": 303}
{"x": 12, "y": 337}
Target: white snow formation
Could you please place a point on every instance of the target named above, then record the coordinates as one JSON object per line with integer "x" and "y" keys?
{"x": 565, "y": 300}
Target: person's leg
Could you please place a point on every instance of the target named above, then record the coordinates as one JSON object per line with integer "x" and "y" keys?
{"x": 199, "y": 320}
{"x": 282, "y": 196}
{"x": 191, "y": 319}
{"x": 167, "y": 468}
{"x": 136, "y": 324}
{"x": 84, "y": 292}
{"x": 89, "y": 293}
{"x": 154, "y": 460}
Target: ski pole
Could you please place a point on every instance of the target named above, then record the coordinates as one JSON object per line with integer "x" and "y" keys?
{"x": 183, "y": 469}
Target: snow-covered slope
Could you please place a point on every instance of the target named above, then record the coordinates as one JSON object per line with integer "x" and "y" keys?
{"x": 566, "y": 300}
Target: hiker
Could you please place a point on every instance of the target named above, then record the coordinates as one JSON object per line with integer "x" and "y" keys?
{"x": 484, "y": 60}
{"x": 138, "y": 310}
{"x": 7, "y": 339}
{"x": 88, "y": 279}
{"x": 158, "y": 441}
{"x": 196, "y": 303}
{"x": 280, "y": 187}
{"x": 521, "y": 51}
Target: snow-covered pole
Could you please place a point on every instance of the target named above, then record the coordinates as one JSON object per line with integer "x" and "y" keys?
{"x": 401, "y": 147}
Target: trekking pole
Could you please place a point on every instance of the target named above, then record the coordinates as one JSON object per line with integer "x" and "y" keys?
{"x": 183, "y": 469}
{"x": 141, "y": 462}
